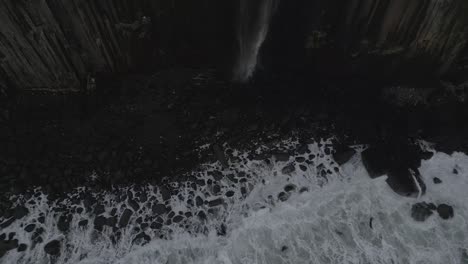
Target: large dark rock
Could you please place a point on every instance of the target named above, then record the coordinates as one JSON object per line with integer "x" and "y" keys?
{"x": 376, "y": 161}
{"x": 125, "y": 218}
{"x": 64, "y": 222}
{"x": 53, "y": 247}
{"x": 406, "y": 182}
{"x": 159, "y": 209}
{"x": 343, "y": 155}
{"x": 288, "y": 169}
{"x": 400, "y": 161}
{"x": 8, "y": 245}
{"x": 100, "y": 222}
{"x": 422, "y": 211}
{"x": 445, "y": 211}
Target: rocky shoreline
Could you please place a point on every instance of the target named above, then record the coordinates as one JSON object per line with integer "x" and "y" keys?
{"x": 142, "y": 128}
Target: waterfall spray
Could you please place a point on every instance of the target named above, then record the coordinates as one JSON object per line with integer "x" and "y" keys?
{"x": 253, "y": 25}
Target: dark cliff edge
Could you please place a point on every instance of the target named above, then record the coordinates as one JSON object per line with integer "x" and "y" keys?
{"x": 130, "y": 88}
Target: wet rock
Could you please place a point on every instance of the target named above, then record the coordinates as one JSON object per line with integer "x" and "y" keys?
{"x": 20, "y": 212}
{"x": 53, "y": 248}
{"x": 198, "y": 201}
{"x": 22, "y": 247}
{"x": 142, "y": 238}
{"x": 302, "y": 167}
{"x": 165, "y": 193}
{"x": 229, "y": 193}
{"x": 177, "y": 219}
{"x": 36, "y": 237}
{"x": 134, "y": 205}
{"x": 64, "y": 222}
{"x": 6, "y": 246}
{"x": 83, "y": 223}
{"x": 29, "y": 228}
{"x": 422, "y": 211}
{"x": 125, "y": 218}
{"x": 375, "y": 162}
{"x": 217, "y": 175}
{"x": 406, "y": 182}
{"x": 283, "y": 196}
{"x": 216, "y": 202}
{"x": 219, "y": 154}
{"x": 300, "y": 159}
{"x": 288, "y": 169}
{"x": 303, "y": 149}
{"x": 201, "y": 215}
{"x": 290, "y": 187}
{"x": 437, "y": 180}
{"x": 445, "y": 211}
{"x": 99, "y": 209}
{"x": 159, "y": 209}
{"x": 216, "y": 189}
{"x": 41, "y": 219}
{"x": 8, "y": 222}
{"x": 281, "y": 156}
{"x": 112, "y": 221}
{"x": 156, "y": 225}
{"x": 100, "y": 222}
{"x": 343, "y": 155}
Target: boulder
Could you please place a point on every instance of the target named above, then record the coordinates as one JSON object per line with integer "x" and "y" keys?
{"x": 343, "y": 155}
{"x": 445, "y": 211}
{"x": 53, "y": 247}
{"x": 288, "y": 169}
{"x": 406, "y": 182}
{"x": 125, "y": 218}
{"x": 422, "y": 211}
{"x": 375, "y": 161}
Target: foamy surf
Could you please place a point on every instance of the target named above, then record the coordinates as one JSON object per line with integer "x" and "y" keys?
{"x": 303, "y": 210}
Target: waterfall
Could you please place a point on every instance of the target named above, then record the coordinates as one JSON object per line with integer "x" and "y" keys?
{"x": 254, "y": 21}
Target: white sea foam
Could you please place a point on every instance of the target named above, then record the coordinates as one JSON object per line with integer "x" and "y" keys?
{"x": 345, "y": 218}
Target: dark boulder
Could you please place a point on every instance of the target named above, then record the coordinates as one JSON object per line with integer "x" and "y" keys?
{"x": 100, "y": 222}
{"x": 29, "y": 228}
{"x": 8, "y": 245}
{"x": 53, "y": 247}
{"x": 134, "y": 205}
{"x": 445, "y": 211}
{"x": 159, "y": 209}
{"x": 406, "y": 182}
{"x": 125, "y": 218}
{"x": 177, "y": 218}
{"x": 83, "y": 223}
{"x": 343, "y": 155}
{"x": 64, "y": 222}
{"x": 281, "y": 156}
{"x": 375, "y": 161}
{"x": 288, "y": 169}
{"x": 20, "y": 212}
{"x": 216, "y": 202}
{"x": 142, "y": 238}
{"x": 422, "y": 211}
{"x": 437, "y": 180}
{"x": 22, "y": 247}
{"x": 219, "y": 154}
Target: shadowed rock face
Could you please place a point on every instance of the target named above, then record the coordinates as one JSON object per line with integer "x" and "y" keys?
{"x": 53, "y": 45}
{"x": 371, "y": 37}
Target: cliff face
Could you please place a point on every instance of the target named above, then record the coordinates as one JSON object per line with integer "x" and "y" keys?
{"x": 53, "y": 45}
{"x": 377, "y": 37}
